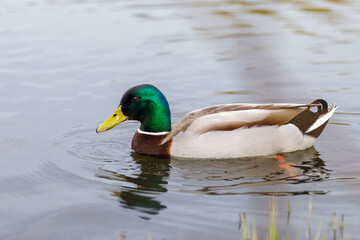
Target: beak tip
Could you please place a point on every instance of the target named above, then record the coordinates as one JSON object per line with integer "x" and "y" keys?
{"x": 116, "y": 118}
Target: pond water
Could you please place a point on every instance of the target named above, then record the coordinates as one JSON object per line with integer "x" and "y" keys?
{"x": 64, "y": 65}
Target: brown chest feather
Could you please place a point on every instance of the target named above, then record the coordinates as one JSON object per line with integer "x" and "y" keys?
{"x": 150, "y": 145}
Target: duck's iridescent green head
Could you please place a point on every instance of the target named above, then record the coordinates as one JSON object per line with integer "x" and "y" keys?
{"x": 144, "y": 103}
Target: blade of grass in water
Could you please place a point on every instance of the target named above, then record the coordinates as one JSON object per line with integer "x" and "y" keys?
{"x": 308, "y": 235}
{"x": 272, "y": 220}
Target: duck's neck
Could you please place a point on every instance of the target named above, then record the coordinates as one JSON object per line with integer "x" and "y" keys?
{"x": 158, "y": 121}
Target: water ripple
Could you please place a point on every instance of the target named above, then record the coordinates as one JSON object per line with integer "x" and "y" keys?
{"x": 81, "y": 153}
{"x": 85, "y": 144}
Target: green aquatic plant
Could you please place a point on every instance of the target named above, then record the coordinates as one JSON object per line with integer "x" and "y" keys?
{"x": 342, "y": 226}
{"x": 308, "y": 232}
{"x": 250, "y": 232}
{"x": 273, "y": 233}
{"x": 245, "y": 227}
{"x": 254, "y": 233}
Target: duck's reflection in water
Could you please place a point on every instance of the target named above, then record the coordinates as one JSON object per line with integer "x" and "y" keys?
{"x": 254, "y": 175}
{"x": 149, "y": 183}
{"x": 269, "y": 175}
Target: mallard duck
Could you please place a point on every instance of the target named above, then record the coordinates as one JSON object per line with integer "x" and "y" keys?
{"x": 221, "y": 131}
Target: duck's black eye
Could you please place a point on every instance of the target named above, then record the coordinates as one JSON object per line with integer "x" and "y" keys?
{"x": 115, "y": 115}
{"x": 135, "y": 99}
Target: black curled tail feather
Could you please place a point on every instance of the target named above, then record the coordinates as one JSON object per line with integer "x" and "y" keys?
{"x": 322, "y": 107}
{"x": 307, "y": 118}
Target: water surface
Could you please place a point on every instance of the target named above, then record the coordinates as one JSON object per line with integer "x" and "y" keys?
{"x": 65, "y": 64}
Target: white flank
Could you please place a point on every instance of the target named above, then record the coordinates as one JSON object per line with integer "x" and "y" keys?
{"x": 243, "y": 142}
{"x": 152, "y": 133}
{"x": 322, "y": 119}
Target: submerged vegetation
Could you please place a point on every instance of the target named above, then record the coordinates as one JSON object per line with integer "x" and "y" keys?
{"x": 249, "y": 232}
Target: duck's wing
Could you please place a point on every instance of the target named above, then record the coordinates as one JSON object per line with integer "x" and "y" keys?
{"x": 233, "y": 116}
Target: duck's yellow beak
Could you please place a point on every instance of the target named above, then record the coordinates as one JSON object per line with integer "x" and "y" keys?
{"x": 116, "y": 118}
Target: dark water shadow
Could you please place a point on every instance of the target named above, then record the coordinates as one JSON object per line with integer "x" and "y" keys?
{"x": 149, "y": 183}
{"x": 256, "y": 175}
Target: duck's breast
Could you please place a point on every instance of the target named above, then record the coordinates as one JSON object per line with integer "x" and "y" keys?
{"x": 150, "y": 144}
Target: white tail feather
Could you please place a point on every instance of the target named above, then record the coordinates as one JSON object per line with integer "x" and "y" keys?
{"x": 322, "y": 119}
